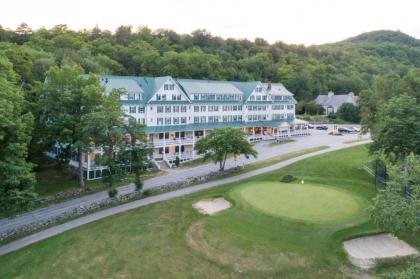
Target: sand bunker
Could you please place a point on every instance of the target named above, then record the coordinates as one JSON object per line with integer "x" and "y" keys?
{"x": 363, "y": 251}
{"x": 210, "y": 207}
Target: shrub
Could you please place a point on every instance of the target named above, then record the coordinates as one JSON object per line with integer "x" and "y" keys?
{"x": 349, "y": 112}
{"x": 287, "y": 178}
{"x": 177, "y": 162}
{"x": 147, "y": 193}
{"x": 112, "y": 192}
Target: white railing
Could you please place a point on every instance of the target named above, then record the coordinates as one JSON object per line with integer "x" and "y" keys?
{"x": 173, "y": 141}
{"x": 183, "y": 156}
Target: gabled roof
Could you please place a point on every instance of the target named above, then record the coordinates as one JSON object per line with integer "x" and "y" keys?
{"x": 335, "y": 100}
{"x": 117, "y": 83}
{"x": 192, "y": 86}
{"x": 148, "y": 86}
{"x": 246, "y": 87}
{"x": 278, "y": 89}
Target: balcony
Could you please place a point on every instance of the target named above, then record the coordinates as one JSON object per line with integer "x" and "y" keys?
{"x": 173, "y": 141}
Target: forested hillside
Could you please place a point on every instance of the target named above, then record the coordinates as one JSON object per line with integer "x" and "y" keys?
{"x": 350, "y": 65}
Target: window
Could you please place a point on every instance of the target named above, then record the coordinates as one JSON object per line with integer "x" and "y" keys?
{"x": 131, "y": 96}
{"x": 176, "y": 120}
{"x": 183, "y": 120}
{"x": 183, "y": 108}
{"x": 196, "y": 119}
{"x": 167, "y": 121}
{"x": 167, "y": 109}
{"x": 159, "y": 121}
{"x": 166, "y": 87}
{"x": 171, "y": 86}
{"x": 196, "y": 97}
{"x": 159, "y": 109}
{"x": 163, "y": 97}
{"x": 173, "y": 97}
{"x": 290, "y": 106}
{"x": 203, "y": 108}
{"x": 259, "y": 98}
{"x": 176, "y": 109}
{"x": 132, "y": 109}
{"x": 196, "y": 108}
{"x": 140, "y": 109}
{"x": 178, "y": 97}
{"x": 252, "y": 98}
{"x": 158, "y": 97}
{"x": 264, "y": 98}
{"x": 203, "y": 119}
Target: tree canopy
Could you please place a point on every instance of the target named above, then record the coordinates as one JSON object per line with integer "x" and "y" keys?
{"x": 221, "y": 143}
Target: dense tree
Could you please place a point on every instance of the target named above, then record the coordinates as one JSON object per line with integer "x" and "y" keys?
{"x": 67, "y": 98}
{"x": 104, "y": 129}
{"x": 222, "y": 143}
{"x": 349, "y": 112}
{"x": 139, "y": 151}
{"x": 16, "y": 177}
{"x": 395, "y": 209}
{"x": 309, "y": 108}
{"x": 396, "y": 132}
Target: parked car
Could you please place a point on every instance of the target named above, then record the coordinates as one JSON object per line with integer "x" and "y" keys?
{"x": 322, "y": 127}
{"x": 354, "y": 129}
{"x": 310, "y": 126}
{"x": 345, "y": 130}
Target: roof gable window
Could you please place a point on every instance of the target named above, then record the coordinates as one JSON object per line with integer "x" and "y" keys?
{"x": 169, "y": 87}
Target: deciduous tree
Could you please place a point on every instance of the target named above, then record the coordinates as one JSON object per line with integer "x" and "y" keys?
{"x": 221, "y": 143}
{"x": 67, "y": 98}
{"x": 16, "y": 177}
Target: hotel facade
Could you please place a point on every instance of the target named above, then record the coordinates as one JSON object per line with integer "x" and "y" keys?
{"x": 178, "y": 112}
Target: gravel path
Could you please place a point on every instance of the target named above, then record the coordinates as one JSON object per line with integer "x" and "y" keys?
{"x": 154, "y": 199}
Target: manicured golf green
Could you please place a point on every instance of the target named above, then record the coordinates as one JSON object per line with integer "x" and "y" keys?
{"x": 172, "y": 240}
{"x": 307, "y": 202}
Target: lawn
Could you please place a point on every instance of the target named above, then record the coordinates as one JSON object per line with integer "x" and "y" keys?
{"x": 51, "y": 179}
{"x": 171, "y": 240}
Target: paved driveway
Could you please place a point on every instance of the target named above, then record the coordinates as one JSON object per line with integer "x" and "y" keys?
{"x": 265, "y": 151}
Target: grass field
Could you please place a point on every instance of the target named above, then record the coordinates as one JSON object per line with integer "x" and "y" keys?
{"x": 171, "y": 240}
{"x": 309, "y": 202}
{"x": 51, "y": 180}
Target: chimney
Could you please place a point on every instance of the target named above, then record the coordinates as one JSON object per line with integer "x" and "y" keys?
{"x": 269, "y": 85}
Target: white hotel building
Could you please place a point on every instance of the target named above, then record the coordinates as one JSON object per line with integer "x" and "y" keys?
{"x": 177, "y": 112}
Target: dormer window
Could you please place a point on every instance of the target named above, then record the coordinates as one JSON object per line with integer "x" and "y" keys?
{"x": 169, "y": 87}
{"x": 131, "y": 96}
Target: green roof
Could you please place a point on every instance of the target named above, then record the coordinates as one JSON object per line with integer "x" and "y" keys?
{"x": 149, "y": 85}
{"x": 210, "y": 126}
{"x": 246, "y": 87}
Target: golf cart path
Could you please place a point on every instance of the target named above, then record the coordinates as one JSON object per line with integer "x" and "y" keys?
{"x": 33, "y": 238}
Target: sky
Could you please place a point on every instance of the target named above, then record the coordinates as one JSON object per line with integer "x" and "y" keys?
{"x": 291, "y": 21}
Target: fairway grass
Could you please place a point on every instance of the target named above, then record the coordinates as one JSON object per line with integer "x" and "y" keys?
{"x": 172, "y": 240}
{"x": 308, "y": 202}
